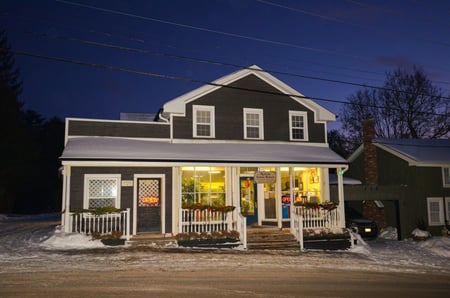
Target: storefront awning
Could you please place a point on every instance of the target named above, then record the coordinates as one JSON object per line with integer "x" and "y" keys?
{"x": 114, "y": 149}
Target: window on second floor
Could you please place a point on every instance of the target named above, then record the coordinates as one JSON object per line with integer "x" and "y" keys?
{"x": 446, "y": 177}
{"x": 298, "y": 126}
{"x": 203, "y": 118}
{"x": 253, "y": 124}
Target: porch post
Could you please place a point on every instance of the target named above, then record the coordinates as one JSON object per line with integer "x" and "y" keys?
{"x": 66, "y": 198}
{"x": 278, "y": 204}
{"x": 340, "y": 176}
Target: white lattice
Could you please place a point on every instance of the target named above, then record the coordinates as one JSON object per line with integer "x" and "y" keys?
{"x": 102, "y": 192}
{"x": 149, "y": 192}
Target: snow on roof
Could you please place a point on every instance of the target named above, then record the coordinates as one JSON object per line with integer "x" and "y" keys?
{"x": 114, "y": 149}
{"x": 333, "y": 179}
{"x": 420, "y": 152}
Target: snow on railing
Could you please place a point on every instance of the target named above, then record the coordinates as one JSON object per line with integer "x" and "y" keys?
{"x": 103, "y": 224}
{"x": 242, "y": 229}
{"x": 207, "y": 220}
{"x": 318, "y": 217}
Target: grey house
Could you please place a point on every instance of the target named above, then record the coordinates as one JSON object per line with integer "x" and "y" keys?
{"x": 246, "y": 140}
{"x": 406, "y": 182}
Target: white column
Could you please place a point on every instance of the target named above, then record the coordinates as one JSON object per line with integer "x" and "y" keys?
{"x": 66, "y": 198}
{"x": 279, "y": 206}
{"x": 340, "y": 173}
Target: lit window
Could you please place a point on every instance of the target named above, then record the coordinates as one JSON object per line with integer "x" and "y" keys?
{"x": 253, "y": 124}
{"x": 446, "y": 176}
{"x": 435, "y": 211}
{"x": 298, "y": 126}
{"x": 203, "y": 185}
{"x": 203, "y": 117}
{"x": 101, "y": 191}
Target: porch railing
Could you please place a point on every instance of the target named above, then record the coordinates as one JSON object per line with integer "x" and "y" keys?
{"x": 318, "y": 217}
{"x": 297, "y": 228}
{"x": 206, "y": 221}
{"x": 104, "y": 224}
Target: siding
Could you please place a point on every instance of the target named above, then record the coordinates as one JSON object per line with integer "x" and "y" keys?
{"x": 126, "y": 194}
{"x": 229, "y": 104}
{"x": 118, "y": 129}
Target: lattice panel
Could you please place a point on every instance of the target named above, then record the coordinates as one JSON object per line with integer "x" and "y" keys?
{"x": 100, "y": 203}
{"x": 149, "y": 192}
{"x": 102, "y": 188}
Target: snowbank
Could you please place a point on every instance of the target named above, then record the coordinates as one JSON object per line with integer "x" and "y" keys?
{"x": 437, "y": 245}
{"x": 61, "y": 240}
{"x": 389, "y": 233}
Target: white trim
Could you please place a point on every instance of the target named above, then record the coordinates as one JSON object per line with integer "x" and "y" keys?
{"x": 260, "y": 113}
{"x": 445, "y": 183}
{"x": 178, "y": 104}
{"x": 163, "y": 199}
{"x": 305, "y": 125}
{"x": 115, "y": 121}
{"x": 447, "y": 208}
{"x": 211, "y": 110}
{"x": 439, "y": 201}
{"x": 87, "y": 177}
{"x": 215, "y": 141}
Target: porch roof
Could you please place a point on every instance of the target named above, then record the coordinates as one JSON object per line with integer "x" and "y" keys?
{"x": 114, "y": 149}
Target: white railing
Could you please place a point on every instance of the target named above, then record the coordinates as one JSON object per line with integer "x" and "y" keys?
{"x": 318, "y": 217}
{"x": 297, "y": 228}
{"x": 104, "y": 224}
{"x": 205, "y": 221}
{"x": 242, "y": 229}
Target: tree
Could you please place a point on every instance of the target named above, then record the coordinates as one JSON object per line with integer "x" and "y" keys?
{"x": 339, "y": 143}
{"x": 407, "y": 106}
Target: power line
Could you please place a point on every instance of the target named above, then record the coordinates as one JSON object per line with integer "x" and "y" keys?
{"x": 157, "y": 75}
{"x": 280, "y": 43}
{"x": 221, "y": 63}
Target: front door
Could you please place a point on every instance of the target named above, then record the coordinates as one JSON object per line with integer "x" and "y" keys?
{"x": 249, "y": 201}
{"x": 148, "y": 207}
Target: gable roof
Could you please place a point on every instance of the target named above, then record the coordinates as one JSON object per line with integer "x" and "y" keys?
{"x": 117, "y": 149}
{"x": 417, "y": 152}
{"x": 178, "y": 104}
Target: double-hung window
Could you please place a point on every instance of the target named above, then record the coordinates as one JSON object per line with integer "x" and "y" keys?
{"x": 102, "y": 190}
{"x": 203, "y": 117}
{"x": 298, "y": 126}
{"x": 253, "y": 124}
{"x": 435, "y": 211}
{"x": 446, "y": 177}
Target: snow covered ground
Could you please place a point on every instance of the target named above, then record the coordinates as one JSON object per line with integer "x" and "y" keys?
{"x": 31, "y": 243}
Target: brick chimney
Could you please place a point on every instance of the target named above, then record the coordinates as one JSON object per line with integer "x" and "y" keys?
{"x": 370, "y": 209}
{"x": 370, "y": 153}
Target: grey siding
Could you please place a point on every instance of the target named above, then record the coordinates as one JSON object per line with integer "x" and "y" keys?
{"x": 229, "y": 104}
{"x": 118, "y": 129}
{"x": 126, "y": 195}
{"x": 414, "y": 185}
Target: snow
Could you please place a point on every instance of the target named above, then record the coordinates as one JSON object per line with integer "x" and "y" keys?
{"x": 30, "y": 243}
{"x": 420, "y": 233}
{"x": 105, "y": 148}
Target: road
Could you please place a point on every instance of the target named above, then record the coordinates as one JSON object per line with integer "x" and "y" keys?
{"x": 154, "y": 280}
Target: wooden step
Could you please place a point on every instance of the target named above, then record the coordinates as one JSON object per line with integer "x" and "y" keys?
{"x": 151, "y": 240}
{"x": 270, "y": 238}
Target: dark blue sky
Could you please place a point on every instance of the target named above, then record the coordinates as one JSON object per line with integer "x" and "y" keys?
{"x": 349, "y": 41}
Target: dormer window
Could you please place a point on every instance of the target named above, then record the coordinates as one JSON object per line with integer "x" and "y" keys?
{"x": 253, "y": 124}
{"x": 298, "y": 126}
{"x": 203, "y": 118}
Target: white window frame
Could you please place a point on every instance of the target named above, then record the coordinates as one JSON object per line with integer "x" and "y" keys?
{"x": 440, "y": 202}
{"x": 260, "y": 127}
{"x": 447, "y": 208}
{"x": 446, "y": 176}
{"x": 88, "y": 177}
{"x": 211, "y": 110}
{"x": 305, "y": 125}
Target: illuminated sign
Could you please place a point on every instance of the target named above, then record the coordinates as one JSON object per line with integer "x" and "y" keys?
{"x": 265, "y": 177}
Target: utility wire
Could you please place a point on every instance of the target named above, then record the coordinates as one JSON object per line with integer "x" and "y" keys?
{"x": 221, "y": 63}
{"x": 157, "y": 75}
{"x": 280, "y": 43}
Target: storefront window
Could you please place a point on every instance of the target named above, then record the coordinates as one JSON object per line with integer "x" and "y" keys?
{"x": 204, "y": 185}
{"x": 269, "y": 196}
{"x": 307, "y": 185}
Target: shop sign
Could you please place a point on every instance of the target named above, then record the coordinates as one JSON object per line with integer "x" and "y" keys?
{"x": 127, "y": 183}
{"x": 265, "y": 177}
